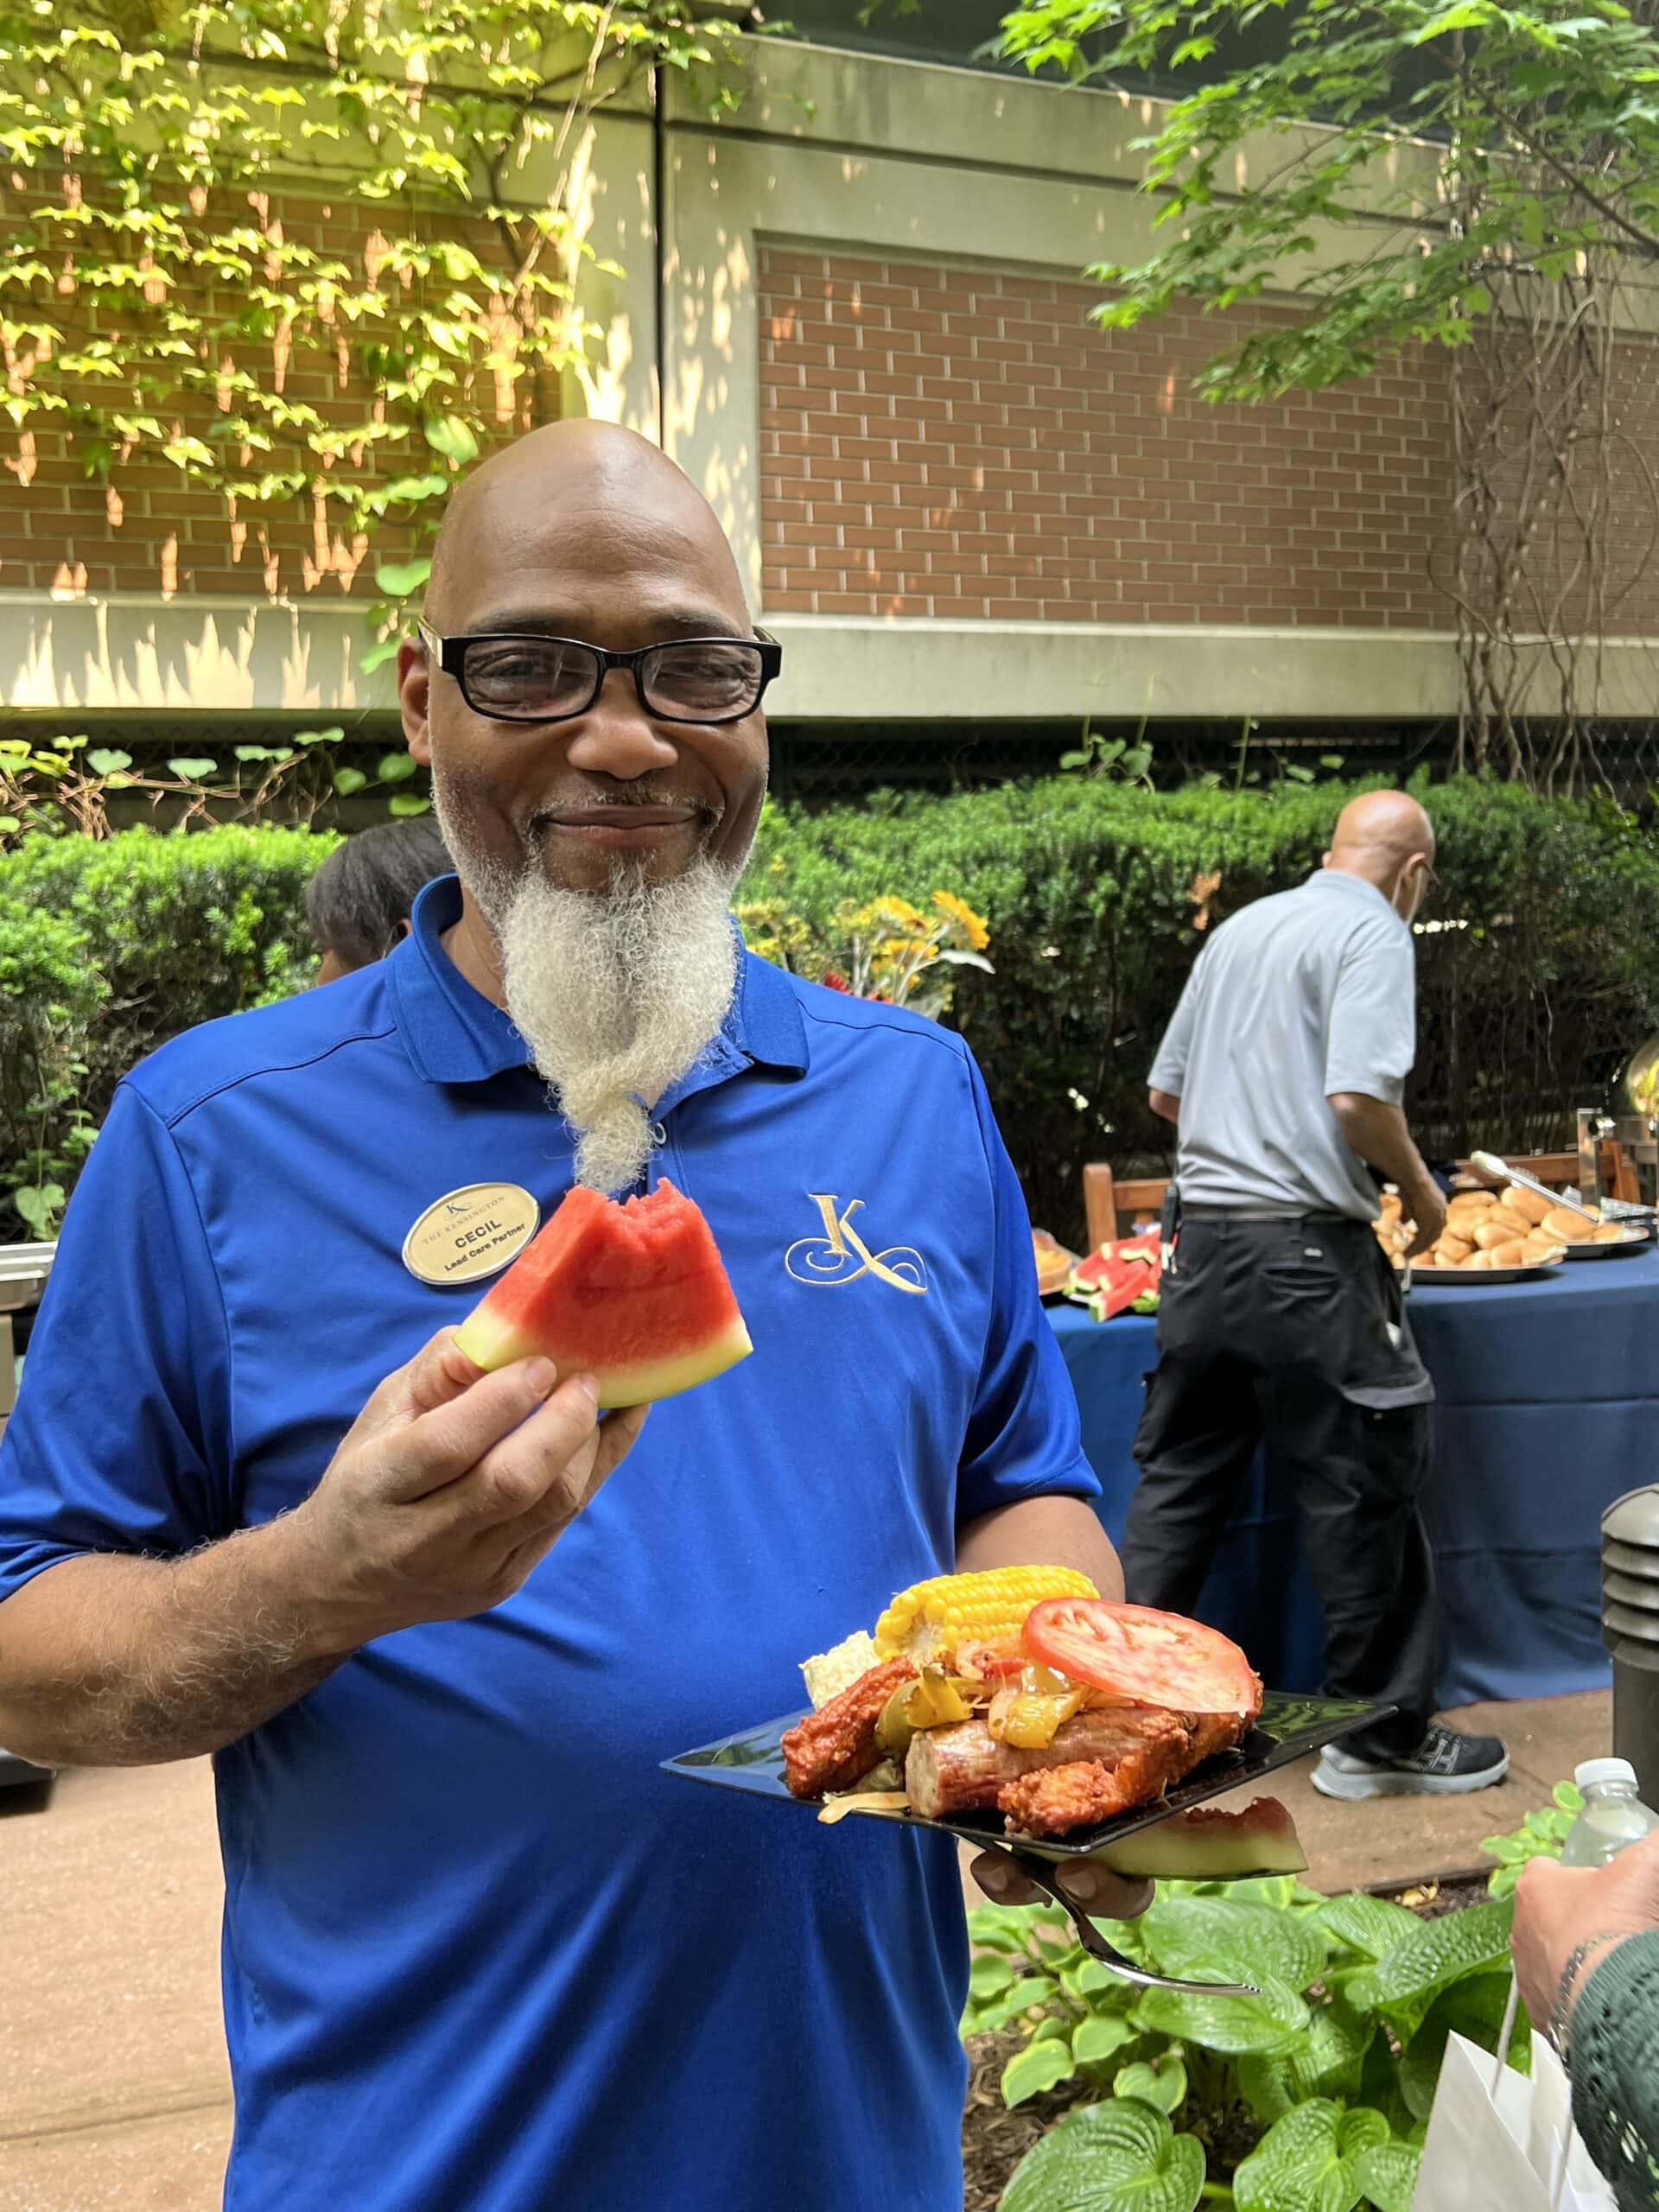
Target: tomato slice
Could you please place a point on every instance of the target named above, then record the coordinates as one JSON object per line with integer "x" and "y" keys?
{"x": 1142, "y": 1657}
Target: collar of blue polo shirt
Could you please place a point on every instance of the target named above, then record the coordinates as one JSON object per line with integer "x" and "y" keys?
{"x": 1019, "y": 1690}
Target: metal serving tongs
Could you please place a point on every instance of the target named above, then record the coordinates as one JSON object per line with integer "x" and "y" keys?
{"x": 1044, "y": 1874}
{"x": 1488, "y": 1163}
{"x": 1609, "y": 1210}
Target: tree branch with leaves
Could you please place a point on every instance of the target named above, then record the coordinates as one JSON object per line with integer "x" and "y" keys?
{"x": 1472, "y": 177}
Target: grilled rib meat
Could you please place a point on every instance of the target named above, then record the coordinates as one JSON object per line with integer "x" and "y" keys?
{"x": 963, "y": 1769}
{"x": 1104, "y": 1761}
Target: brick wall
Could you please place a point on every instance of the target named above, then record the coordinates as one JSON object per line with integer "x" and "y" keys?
{"x": 949, "y": 441}
{"x": 144, "y": 527}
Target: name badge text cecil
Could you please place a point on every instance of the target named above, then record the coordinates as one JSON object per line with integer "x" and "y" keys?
{"x": 470, "y": 1233}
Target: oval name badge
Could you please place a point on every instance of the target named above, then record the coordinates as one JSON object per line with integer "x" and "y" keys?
{"x": 471, "y": 1233}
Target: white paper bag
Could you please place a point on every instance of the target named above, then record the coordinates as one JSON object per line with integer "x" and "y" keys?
{"x": 1499, "y": 2142}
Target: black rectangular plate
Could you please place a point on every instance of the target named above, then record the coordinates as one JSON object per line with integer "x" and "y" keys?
{"x": 1288, "y": 1728}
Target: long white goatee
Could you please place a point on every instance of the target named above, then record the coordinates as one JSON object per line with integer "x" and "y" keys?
{"x": 618, "y": 996}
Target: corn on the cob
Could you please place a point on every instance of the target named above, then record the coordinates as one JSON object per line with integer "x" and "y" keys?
{"x": 989, "y": 1607}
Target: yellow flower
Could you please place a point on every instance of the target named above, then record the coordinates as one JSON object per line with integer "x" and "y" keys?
{"x": 896, "y": 914}
{"x": 972, "y": 925}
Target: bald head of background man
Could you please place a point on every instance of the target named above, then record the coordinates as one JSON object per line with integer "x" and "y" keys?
{"x": 1387, "y": 838}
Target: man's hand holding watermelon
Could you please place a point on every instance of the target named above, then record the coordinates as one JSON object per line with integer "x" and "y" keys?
{"x": 450, "y": 1486}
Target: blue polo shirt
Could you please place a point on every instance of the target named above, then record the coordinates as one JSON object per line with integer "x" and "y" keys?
{"x": 479, "y": 1953}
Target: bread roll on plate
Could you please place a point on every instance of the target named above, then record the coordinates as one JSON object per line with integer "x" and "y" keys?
{"x": 1512, "y": 1254}
{"x": 1470, "y": 1201}
{"x": 1542, "y": 1249}
{"x": 1496, "y": 1230}
{"x": 1571, "y": 1228}
{"x": 1452, "y": 1251}
{"x": 1526, "y": 1202}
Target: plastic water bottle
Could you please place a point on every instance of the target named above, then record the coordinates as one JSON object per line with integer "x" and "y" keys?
{"x": 1613, "y": 1815}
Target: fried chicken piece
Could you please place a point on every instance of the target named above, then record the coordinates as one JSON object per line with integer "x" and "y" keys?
{"x": 1055, "y": 1799}
{"x": 1084, "y": 1792}
{"x": 833, "y": 1748}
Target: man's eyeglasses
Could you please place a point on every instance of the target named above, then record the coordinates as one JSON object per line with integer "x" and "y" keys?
{"x": 512, "y": 679}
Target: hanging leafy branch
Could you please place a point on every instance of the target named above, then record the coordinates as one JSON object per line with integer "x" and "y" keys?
{"x": 186, "y": 280}
{"x": 1384, "y": 160}
{"x": 1468, "y": 176}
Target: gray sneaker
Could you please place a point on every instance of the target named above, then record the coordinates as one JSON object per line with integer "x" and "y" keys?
{"x": 1445, "y": 1764}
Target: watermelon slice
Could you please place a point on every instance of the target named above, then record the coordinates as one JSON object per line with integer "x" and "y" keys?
{"x": 1119, "y": 1276}
{"x": 633, "y": 1293}
{"x": 1207, "y": 1845}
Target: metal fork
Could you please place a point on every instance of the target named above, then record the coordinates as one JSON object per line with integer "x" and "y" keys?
{"x": 1045, "y": 1876}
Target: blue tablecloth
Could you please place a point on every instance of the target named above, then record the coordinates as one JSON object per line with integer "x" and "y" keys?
{"x": 1547, "y": 1410}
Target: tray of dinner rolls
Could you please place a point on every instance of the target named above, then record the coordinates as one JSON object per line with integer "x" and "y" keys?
{"x": 1504, "y": 1236}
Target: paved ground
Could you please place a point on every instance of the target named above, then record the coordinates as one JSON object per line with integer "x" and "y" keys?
{"x": 1408, "y": 1838}
{"x": 113, "y": 2091}
{"x": 113, "y": 2094}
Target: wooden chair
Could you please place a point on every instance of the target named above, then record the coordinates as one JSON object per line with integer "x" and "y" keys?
{"x": 1618, "y": 1176}
{"x": 1106, "y": 1202}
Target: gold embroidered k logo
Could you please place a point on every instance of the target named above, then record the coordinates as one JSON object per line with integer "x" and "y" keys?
{"x": 842, "y": 1256}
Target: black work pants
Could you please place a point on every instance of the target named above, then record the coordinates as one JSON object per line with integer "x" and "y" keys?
{"x": 1292, "y": 1333}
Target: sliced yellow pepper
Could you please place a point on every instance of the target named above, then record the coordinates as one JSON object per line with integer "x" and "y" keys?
{"x": 1032, "y": 1722}
{"x": 892, "y": 1728}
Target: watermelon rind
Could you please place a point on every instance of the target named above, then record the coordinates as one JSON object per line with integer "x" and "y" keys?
{"x": 645, "y": 1384}
{"x": 1208, "y": 1845}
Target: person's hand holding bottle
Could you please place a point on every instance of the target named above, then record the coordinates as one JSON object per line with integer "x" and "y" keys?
{"x": 1568, "y": 1915}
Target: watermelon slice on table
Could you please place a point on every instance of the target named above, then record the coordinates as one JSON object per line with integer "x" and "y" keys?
{"x": 1118, "y": 1276}
{"x": 633, "y": 1293}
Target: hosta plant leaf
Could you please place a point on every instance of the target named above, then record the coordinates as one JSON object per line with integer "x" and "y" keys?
{"x": 1121, "y": 2156}
{"x": 1308, "y": 2161}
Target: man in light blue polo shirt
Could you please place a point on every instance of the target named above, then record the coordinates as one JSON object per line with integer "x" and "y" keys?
{"x": 481, "y": 1955}
{"x": 1280, "y": 1321}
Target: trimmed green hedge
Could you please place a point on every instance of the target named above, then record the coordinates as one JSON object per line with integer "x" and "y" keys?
{"x": 109, "y": 947}
{"x": 1546, "y": 972}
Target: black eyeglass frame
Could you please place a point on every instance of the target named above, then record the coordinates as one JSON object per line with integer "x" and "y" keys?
{"x": 451, "y": 656}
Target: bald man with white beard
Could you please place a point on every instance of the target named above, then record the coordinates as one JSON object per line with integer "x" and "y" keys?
{"x": 1280, "y": 1321}
{"x": 440, "y": 1629}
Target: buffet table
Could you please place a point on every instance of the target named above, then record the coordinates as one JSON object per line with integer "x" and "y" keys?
{"x": 1548, "y": 1410}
